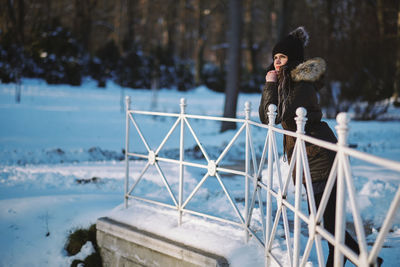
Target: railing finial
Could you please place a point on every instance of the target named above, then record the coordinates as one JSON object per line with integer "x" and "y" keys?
{"x": 247, "y": 109}
{"x": 127, "y": 102}
{"x": 183, "y": 105}
{"x": 272, "y": 114}
{"x": 342, "y": 127}
{"x": 301, "y": 119}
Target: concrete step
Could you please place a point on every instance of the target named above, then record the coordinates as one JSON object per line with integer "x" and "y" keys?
{"x": 126, "y": 245}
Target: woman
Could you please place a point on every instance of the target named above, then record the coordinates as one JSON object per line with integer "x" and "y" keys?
{"x": 292, "y": 83}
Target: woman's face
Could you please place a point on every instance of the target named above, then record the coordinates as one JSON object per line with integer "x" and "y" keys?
{"x": 279, "y": 60}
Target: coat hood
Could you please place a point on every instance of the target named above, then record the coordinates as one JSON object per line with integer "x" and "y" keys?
{"x": 310, "y": 71}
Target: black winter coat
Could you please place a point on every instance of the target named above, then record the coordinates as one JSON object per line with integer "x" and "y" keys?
{"x": 302, "y": 93}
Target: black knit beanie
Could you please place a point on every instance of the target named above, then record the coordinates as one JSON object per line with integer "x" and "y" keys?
{"x": 293, "y": 45}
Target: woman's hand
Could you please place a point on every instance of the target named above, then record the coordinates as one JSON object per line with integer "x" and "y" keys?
{"x": 271, "y": 76}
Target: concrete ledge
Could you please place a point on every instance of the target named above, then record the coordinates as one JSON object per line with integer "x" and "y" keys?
{"x": 125, "y": 245}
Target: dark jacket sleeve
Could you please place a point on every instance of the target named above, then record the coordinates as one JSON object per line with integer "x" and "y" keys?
{"x": 303, "y": 95}
{"x": 269, "y": 96}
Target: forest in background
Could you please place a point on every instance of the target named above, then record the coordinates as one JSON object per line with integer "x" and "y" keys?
{"x": 185, "y": 43}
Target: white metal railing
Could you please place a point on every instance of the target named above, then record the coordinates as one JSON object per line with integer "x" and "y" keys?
{"x": 340, "y": 173}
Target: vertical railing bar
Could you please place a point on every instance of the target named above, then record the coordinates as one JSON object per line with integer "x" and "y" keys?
{"x": 297, "y": 222}
{"x": 229, "y": 198}
{"x": 268, "y": 202}
{"x": 166, "y": 183}
{"x": 268, "y": 218}
{"x": 291, "y": 167}
{"x": 247, "y": 111}
{"x": 312, "y": 205}
{"x": 362, "y": 243}
{"x": 328, "y": 189}
{"x": 127, "y": 108}
{"x": 300, "y": 123}
{"x": 340, "y": 214}
{"x": 230, "y": 144}
{"x": 197, "y": 140}
{"x": 167, "y": 136}
{"x": 310, "y": 191}
{"x": 181, "y": 158}
{"x": 283, "y": 193}
{"x": 277, "y": 164}
{"x": 139, "y": 177}
{"x": 246, "y": 180}
{"x": 284, "y": 212}
{"x": 253, "y": 153}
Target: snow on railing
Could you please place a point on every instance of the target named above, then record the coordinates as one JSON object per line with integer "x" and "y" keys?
{"x": 340, "y": 174}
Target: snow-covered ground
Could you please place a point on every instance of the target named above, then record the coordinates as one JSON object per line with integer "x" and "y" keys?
{"x": 61, "y": 168}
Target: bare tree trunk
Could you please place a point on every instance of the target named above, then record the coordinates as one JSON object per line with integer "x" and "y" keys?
{"x": 147, "y": 25}
{"x": 200, "y": 44}
{"x": 234, "y": 59}
{"x": 83, "y": 20}
{"x": 382, "y": 8}
{"x": 252, "y": 62}
{"x": 130, "y": 23}
{"x": 379, "y": 10}
{"x": 17, "y": 87}
{"x": 11, "y": 13}
{"x": 284, "y": 18}
{"x": 327, "y": 99}
{"x": 171, "y": 27}
{"x": 21, "y": 21}
{"x": 182, "y": 29}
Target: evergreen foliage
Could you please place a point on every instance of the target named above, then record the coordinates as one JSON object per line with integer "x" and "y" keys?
{"x": 152, "y": 44}
{"x": 77, "y": 239}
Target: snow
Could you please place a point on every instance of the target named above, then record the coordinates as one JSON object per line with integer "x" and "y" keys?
{"x": 86, "y": 250}
{"x": 61, "y": 168}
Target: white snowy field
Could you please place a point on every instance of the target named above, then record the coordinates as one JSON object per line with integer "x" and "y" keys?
{"x": 61, "y": 168}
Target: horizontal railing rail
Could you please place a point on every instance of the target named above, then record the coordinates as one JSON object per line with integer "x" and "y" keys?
{"x": 269, "y": 163}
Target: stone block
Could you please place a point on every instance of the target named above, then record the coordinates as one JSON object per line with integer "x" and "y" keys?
{"x": 125, "y": 245}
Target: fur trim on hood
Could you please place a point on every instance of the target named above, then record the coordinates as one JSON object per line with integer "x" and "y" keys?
{"x": 310, "y": 71}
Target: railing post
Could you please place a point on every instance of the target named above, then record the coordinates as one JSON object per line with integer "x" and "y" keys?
{"x": 127, "y": 108}
{"x": 247, "y": 111}
{"x": 181, "y": 158}
{"x": 268, "y": 224}
{"x": 300, "y": 123}
{"x": 340, "y": 222}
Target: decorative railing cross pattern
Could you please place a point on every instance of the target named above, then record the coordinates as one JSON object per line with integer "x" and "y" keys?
{"x": 340, "y": 174}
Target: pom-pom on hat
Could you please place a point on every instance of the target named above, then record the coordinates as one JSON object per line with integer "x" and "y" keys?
{"x": 293, "y": 45}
